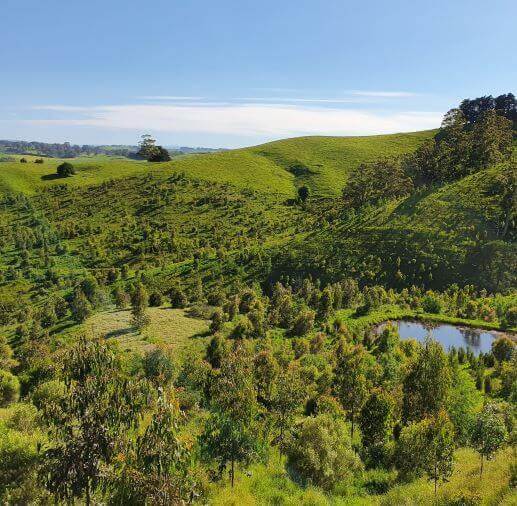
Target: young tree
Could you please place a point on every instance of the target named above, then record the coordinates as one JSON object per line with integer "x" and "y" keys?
{"x": 94, "y": 415}
{"x": 427, "y": 383}
{"x": 303, "y": 193}
{"x": 217, "y": 321}
{"x": 489, "y": 433}
{"x": 157, "y": 469}
{"x": 289, "y": 392}
{"x": 147, "y": 146}
{"x": 320, "y": 452}
{"x": 353, "y": 375}
{"x": 427, "y": 447}
{"x": 231, "y": 434}
{"x": 376, "y": 420}
{"x": 139, "y": 303}
{"x": 80, "y": 306}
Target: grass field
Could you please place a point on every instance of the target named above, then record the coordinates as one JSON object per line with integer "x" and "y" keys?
{"x": 171, "y": 327}
{"x": 322, "y": 163}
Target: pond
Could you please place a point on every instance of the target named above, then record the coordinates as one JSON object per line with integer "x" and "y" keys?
{"x": 477, "y": 340}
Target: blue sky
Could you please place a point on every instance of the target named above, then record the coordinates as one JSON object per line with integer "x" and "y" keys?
{"x": 234, "y": 73}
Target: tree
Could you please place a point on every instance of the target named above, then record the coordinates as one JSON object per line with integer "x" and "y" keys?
{"x": 320, "y": 452}
{"x": 157, "y": 469}
{"x": 100, "y": 405}
{"x": 303, "y": 193}
{"x": 353, "y": 376}
{"x": 376, "y": 420}
{"x": 9, "y": 388}
{"x": 503, "y": 349}
{"x": 158, "y": 366}
{"x": 216, "y": 350}
{"x": 492, "y": 140}
{"x": 463, "y": 404}
{"x": 231, "y": 434}
{"x": 139, "y": 303}
{"x": 65, "y": 169}
{"x": 147, "y": 146}
{"x": 288, "y": 394}
{"x": 489, "y": 433}
{"x": 303, "y": 322}
{"x": 79, "y": 306}
{"x": 160, "y": 154}
{"x": 217, "y": 321}
{"x": 228, "y": 441}
{"x": 427, "y": 447}
{"x": 383, "y": 179}
{"x": 427, "y": 382}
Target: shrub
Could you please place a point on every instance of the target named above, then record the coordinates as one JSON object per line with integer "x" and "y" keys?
{"x": 155, "y": 299}
{"x": 9, "y": 388}
{"x": 321, "y": 453}
{"x": 48, "y": 394}
{"x": 65, "y": 170}
{"x": 178, "y": 298}
{"x": 158, "y": 366}
{"x": 432, "y": 304}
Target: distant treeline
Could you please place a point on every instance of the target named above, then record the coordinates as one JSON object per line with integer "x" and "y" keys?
{"x": 67, "y": 150}
{"x": 64, "y": 150}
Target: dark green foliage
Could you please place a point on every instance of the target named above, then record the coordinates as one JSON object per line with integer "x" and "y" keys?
{"x": 65, "y": 170}
{"x": 160, "y": 154}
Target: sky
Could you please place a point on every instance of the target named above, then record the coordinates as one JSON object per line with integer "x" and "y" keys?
{"x": 236, "y": 73}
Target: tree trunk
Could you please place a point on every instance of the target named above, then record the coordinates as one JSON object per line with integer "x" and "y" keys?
{"x": 352, "y": 417}
{"x": 481, "y": 468}
{"x": 88, "y": 493}
{"x": 233, "y": 472}
{"x": 435, "y": 480}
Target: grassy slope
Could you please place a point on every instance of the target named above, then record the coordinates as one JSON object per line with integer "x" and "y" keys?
{"x": 270, "y": 484}
{"x": 265, "y": 168}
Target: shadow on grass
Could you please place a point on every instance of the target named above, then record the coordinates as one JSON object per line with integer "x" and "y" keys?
{"x": 51, "y": 177}
{"x": 119, "y": 332}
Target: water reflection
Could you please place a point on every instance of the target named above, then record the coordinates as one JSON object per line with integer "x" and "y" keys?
{"x": 477, "y": 340}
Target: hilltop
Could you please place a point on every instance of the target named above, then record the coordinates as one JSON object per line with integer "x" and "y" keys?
{"x": 321, "y": 163}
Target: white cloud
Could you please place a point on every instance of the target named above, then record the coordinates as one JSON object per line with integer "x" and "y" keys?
{"x": 245, "y": 120}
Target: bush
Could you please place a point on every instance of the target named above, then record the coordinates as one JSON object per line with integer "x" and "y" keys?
{"x": 321, "y": 453}
{"x": 158, "y": 366}
{"x": 47, "y": 395}
{"x": 503, "y": 348}
{"x": 65, "y": 170}
{"x": 432, "y": 304}
{"x": 178, "y": 298}
{"x": 155, "y": 299}
{"x": 9, "y": 388}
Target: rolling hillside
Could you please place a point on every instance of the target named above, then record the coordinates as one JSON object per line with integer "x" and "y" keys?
{"x": 322, "y": 163}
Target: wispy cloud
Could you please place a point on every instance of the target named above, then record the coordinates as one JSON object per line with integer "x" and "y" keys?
{"x": 383, "y": 94}
{"x": 244, "y": 120}
{"x": 171, "y": 98}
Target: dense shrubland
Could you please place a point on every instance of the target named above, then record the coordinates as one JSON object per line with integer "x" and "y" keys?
{"x": 294, "y": 384}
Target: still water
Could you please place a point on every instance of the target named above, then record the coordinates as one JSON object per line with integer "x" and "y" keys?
{"x": 476, "y": 340}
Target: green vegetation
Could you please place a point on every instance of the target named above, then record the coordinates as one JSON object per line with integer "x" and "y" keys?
{"x": 202, "y": 330}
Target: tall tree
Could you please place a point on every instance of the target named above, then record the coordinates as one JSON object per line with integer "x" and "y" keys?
{"x": 427, "y": 382}
{"x": 353, "y": 378}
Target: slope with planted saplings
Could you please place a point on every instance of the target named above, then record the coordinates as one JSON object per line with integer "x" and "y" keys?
{"x": 201, "y": 330}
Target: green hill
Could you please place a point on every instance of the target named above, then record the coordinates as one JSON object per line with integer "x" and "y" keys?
{"x": 322, "y": 163}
